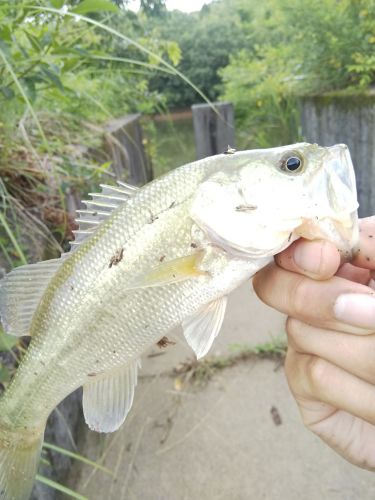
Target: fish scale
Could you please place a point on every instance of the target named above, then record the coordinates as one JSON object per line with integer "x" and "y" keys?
{"x": 116, "y": 233}
{"x": 167, "y": 254}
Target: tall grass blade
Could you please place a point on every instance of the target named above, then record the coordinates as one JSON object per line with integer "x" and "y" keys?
{"x": 24, "y": 96}
{"x": 60, "y": 487}
{"x": 131, "y": 61}
{"x": 13, "y": 239}
{"x": 130, "y": 41}
{"x": 76, "y": 456}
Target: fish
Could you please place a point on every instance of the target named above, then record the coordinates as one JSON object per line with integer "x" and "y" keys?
{"x": 146, "y": 260}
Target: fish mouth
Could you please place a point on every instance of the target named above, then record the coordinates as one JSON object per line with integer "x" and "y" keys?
{"x": 344, "y": 234}
{"x": 337, "y": 222}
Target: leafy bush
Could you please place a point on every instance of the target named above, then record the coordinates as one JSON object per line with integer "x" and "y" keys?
{"x": 60, "y": 74}
{"x": 299, "y": 47}
{"x": 205, "y": 39}
{"x": 61, "y": 77}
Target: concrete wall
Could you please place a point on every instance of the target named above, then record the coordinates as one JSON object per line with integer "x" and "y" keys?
{"x": 349, "y": 120}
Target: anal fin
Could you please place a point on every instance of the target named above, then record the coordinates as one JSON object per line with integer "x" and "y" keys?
{"x": 107, "y": 400}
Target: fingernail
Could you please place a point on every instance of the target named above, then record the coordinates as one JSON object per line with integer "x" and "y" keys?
{"x": 308, "y": 257}
{"x": 356, "y": 309}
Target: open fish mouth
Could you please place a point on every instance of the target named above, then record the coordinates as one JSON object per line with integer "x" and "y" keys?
{"x": 337, "y": 218}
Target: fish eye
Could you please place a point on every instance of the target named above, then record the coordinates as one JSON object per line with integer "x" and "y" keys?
{"x": 291, "y": 163}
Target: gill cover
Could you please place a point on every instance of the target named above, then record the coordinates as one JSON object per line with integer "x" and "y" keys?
{"x": 250, "y": 210}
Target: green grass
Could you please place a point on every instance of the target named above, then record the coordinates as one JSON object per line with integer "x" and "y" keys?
{"x": 200, "y": 372}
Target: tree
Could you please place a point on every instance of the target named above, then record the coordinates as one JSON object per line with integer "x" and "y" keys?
{"x": 299, "y": 47}
{"x": 149, "y": 7}
{"x": 206, "y": 40}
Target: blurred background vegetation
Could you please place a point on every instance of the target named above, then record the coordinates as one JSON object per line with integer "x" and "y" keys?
{"x": 67, "y": 67}
{"x": 63, "y": 76}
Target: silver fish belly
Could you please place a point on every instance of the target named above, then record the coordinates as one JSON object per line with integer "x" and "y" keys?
{"x": 149, "y": 260}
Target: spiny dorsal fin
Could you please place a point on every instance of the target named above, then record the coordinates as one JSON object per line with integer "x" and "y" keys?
{"x": 202, "y": 328}
{"x": 20, "y": 294}
{"x": 107, "y": 400}
{"x": 99, "y": 208}
{"x": 22, "y": 289}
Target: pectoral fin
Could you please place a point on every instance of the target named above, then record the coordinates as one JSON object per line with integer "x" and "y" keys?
{"x": 173, "y": 271}
{"x": 107, "y": 400}
{"x": 202, "y": 328}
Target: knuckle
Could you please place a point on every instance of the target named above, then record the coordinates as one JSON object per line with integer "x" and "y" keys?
{"x": 290, "y": 367}
{"x": 292, "y": 327}
{"x": 328, "y": 260}
{"x": 295, "y": 374}
{"x": 317, "y": 374}
{"x": 298, "y": 295}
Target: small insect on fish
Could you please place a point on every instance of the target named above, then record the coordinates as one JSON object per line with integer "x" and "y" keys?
{"x": 165, "y": 342}
{"x": 92, "y": 313}
{"x": 116, "y": 257}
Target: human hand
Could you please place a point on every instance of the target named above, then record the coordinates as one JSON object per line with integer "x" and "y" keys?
{"x": 330, "y": 364}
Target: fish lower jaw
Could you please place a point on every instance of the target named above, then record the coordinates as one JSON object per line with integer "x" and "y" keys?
{"x": 310, "y": 230}
{"x": 342, "y": 233}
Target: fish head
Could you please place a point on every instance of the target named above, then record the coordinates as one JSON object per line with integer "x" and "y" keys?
{"x": 258, "y": 202}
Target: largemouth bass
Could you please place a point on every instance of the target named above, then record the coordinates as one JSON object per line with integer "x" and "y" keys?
{"x": 146, "y": 260}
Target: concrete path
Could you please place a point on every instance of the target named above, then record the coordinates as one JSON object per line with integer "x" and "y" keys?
{"x": 237, "y": 437}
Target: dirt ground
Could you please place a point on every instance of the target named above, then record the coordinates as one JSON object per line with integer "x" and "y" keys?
{"x": 237, "y": 436}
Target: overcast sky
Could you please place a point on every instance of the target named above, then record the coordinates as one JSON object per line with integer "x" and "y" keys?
{"x": 184, "y": 5}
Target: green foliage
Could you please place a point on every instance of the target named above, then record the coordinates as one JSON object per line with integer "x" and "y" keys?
{"x": 58, "y": 75}
{"x": 298, "y": 47}
{"x": 201, "y": 371}
{"x": 153, "y": 7}
{"x": 206, "y": 40}
{"x": 91, "y": 6}
{"x": 277, "y": 346}
{"x": 6, "y": 344}
{"x": 59, "y": 60}
{"x": 265, "y": 109}
{"x": 63, "y": 75}
{"x": 149, "y": 7}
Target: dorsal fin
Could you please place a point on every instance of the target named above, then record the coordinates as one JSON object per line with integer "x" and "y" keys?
{"x": 20, "y": 294}
{"x": 22, "y": 289}
{"x": 99, "y": 208}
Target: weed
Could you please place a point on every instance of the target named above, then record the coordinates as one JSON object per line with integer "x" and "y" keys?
{"x": 200, "y": 372}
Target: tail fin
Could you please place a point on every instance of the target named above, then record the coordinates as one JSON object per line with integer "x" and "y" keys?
{"x": 19, "y": 459}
